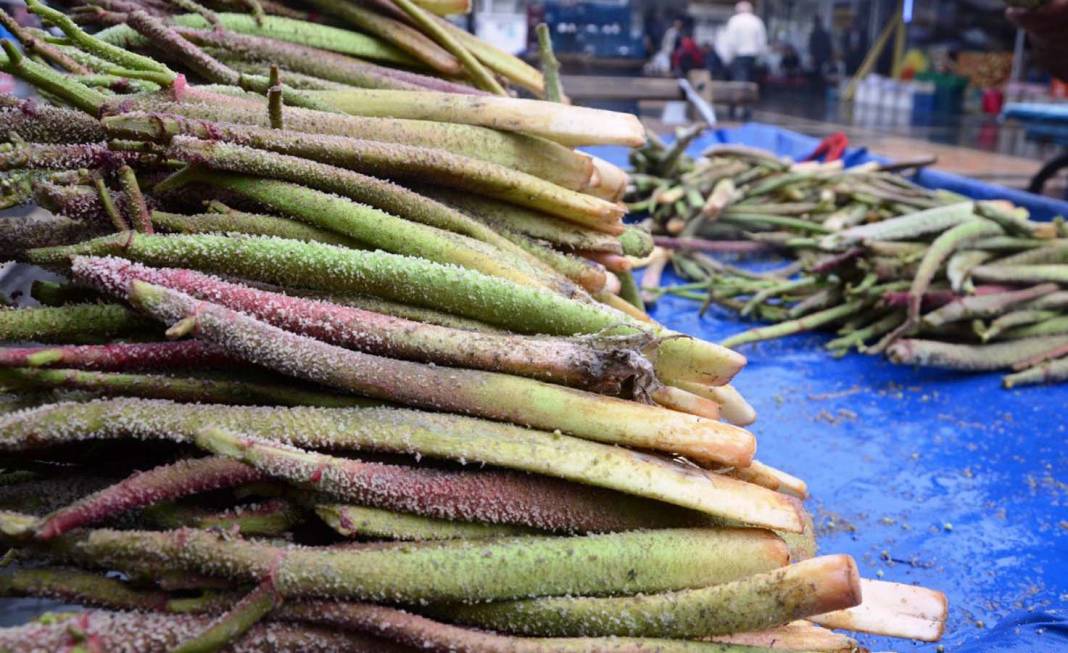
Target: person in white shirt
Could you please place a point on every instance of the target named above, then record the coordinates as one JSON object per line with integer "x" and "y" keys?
{"x": 744, "y": 42}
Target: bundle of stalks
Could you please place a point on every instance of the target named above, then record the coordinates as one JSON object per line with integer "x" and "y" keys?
{"x": 338, "y": 363}
{"x": 925, "y": 276}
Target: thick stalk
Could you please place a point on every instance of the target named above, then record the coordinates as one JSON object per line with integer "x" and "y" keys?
{"x": 74, "y": 323}
{"x": 504, "y": 64}
{"x": 807, "y": 323}
{"x": 1053, "y": 371}
{"x": 937, "y": 254}
{"x": 752, "y": 603}
{"x": 118, "y": 357}
{"x": 376, "y": 523}
{"x": 50, "y": 81}
{"x": 485, "y": 394}
{"x": 165, "y": 483}
{"x": 268, "y": 518}
{"x": 981, "y": 358}
{"x": 82, "y": 587}
{"x": 457, "y": 570}
{"x": 905, "y": 227}
{"x": 1022, "y": 273}
{"x": 604, "y": 364}
{"x": 37, "y": 122}
{"x": 252, "y": 224}
{"x": 565, "y": 124}
{"x": 237, "y": 621}
{"x": 985, "y": 306}
{"x": 404, "y": 431}
{"x": 466, "y": 496}
{"x": 191, "y": 389}
{"x": 893, "y": 610}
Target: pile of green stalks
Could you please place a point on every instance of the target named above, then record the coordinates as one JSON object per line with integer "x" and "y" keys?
{"x": 928, "y": 277}
{"x": 344, "y": 355}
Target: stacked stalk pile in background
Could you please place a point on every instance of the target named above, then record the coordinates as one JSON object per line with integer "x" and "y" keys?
{"x": 349, "y": 373}
{"x": 926, "y": 276}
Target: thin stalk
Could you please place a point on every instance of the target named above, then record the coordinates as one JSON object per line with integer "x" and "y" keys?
{"x": 256, "y": 605}
{"x": 411, "y": 432}
{"x": 143, "y": 489}
{"x": 960, "y": 266}
{"x": 135, "y": 201}
{"x": 504, "y": 64}
{"x": 1046, "y": 255}
{"x": 629, "y": 290}
{"x": 565, "y": 124}
{"x": 798, "y": 636}
{"x": 590, "y": 275}
{"x": 806, "y": 323}
{"x": 402, "y": 36}
{"x": 376, "y": 523}
{"x": 906, "y": 227}
{"x": 270, "y": 517}
{"x": 221, "y": 390}
{"x": 39, "y": 47}
{"x": 1050, "y": 354}
{"x": 1054, "y": 371}
{"x": 74, "y": 323}
{"x": 970, "y": 358}
{"x": 50, "y": 81}
{"x": 765, "y": 600}
{"x": 733, "y": 406}
{"x": 604, "y": 364}
{"x": 486, "y": 394}
{"x": 79, "y": 586}
{"x": 1054, "y": 326}
{"x": 253, "y": 224}
{"x": 550, "y": 67}
{"x": 108, "y": 204}
{"x": 118, "y": 357}
{"x": 458, "y": 570}
{"x": 1021, "y": 273}
{"x": 277, "y": 27}
{"x": 940, "y": 250}
{"x": 711, "y": 246}
{"x": 985, "y": 306}
{"x": 493, "y": 497}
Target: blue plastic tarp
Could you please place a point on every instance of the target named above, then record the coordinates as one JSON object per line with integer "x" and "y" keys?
{"x": 924, "y": 476}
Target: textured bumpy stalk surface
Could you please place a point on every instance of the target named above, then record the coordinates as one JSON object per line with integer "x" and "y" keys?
{"x": 118, "y": 357}
{"x": 79, "y": 322}
{"x": 393, "y": 430}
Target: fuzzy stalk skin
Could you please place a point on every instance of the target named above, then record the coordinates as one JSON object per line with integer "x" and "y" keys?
{"x": 452, "y": 570}
{"x": 276, "y": 27}
{"x": 251, "y": 224}
{"x": 37, "y": 122}
{"x": 38, "y": 229}
{"x": 1039, "y": 273}
{"x": 320, "y": 63}
{"x": 937, "y": 254}
{"x": 376, "y": 523}
{"x": 979, "y": 358}
{"x": 158, "y": 386}
{"x": 985, "y": 306}
{"x": 603, "y": 364}
{"x": 535, "y": 156}
{"x": 798, "y": 636}
{"x": 893, "y": 610}
{"x": 139, "y": 214}
{"x": 397, "y": 160}
{"x": 486, "y": 394}
{"x": 386, "y": 196}
{"x": 46, "y": 79}
{"x": 143, "y": 489}
{"x": 267, "y": 518}
{"x": 752, "y": 603}
{"x": 467, "y": 496}
{"x": 73, "y": 323}
{"x": 590, "y": 275}
{"x": 378, "y": 229}
{"x": 565, "y": 124}
{"x": 1055, "y": 326}
{"x": 404, "y": 311}
{"x": 403, "y": 431}
{"x": 428, "y": 24}
{"x": 137, "y": 632}
{"x": 37, "y": 46}
{"x": 76, "y": 585}
{"x": 503, "y": 63}
{"x": 906, "y": 227}
{"x": 400, "y": 35}
{"x": 1053, "y": 371}
{"x": 237, "y": 621}
{"x": 422, "y": 633}
{"x": 119, "y": 356}
{"x": 502, "y": 216}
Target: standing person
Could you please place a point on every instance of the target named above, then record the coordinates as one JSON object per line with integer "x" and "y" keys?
{"x": 745, "y": 40}
{"x": 820, "y": 50}
{"x": 660, "y": 64}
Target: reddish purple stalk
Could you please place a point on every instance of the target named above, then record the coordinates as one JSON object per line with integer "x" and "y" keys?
{"x": 931, "y": 299}
{"x": 119, "y": 357}
{"x": 164, "y": 483}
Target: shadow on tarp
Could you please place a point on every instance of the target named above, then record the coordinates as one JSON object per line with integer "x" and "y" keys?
{"x": 1023, "y": 632}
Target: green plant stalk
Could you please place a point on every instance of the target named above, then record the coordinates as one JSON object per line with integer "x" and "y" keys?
{"x": 453, "y": 570}
{"x": 979, "y": 358}
{"x": 38, "y": 47}
{"x": 387, "y": 197}
{"x": 396, "y": 33}
{"x": 139, "y": 216}
{"x": 629, "y": 291}
{"x": 857, "y": 338}
{"x": 160, "y": 386}
{"x": 565, "y": 124}
{"x": 73, "y": 323}
{"x": 405, "y": 431}
{"x": 50, "y": 81}
{"x": 1022, "y": 273}
{"x": 535, "y": 156}
{"x": 750, "y": 220}
{"x": 590, "y": 275}
{"x": 1010, "y": 320}
{"x": 750, "y": 603}
{"x": 106, "y": 67}
{"x": 985, "y": 306}
{"x": 960, "y": 266}
{"x": 1044, "y": 255}
{"x": 937, "y": 254}
{"x": 253, "y": 224}
{"x": 502, "y": 216}
{"x": 906, "y": 227}
{"x": 487, "y": 394}
{"x": 1054, "y": 371}
{"x": 467, "y": 496}
{"x": 1052, "y": 327}
{"x": 603, "y": 364}
{"x": 276, "y": 27}
{"x": 504, "y": 64}
{"x": 229, "y": 627}
{"x": 376, "y": 523}
{"x": 369, "y": 225}
{"x": 116, "y": 84}
{"x": 430, "y": 26}
{"x": 550, "y": 67}
{"x": 269, "y": 518}
{"x": 806, "y": 323}
{"x": 81, "y": 586}
{"x": 405, "y": 311}
{"x": 37, "y": 122}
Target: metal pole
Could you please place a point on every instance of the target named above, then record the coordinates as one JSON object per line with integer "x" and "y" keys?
{"x": 1018, "y": 56}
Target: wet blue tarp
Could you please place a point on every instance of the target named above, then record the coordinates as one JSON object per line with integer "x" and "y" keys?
{"x": 924, "y": 476}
